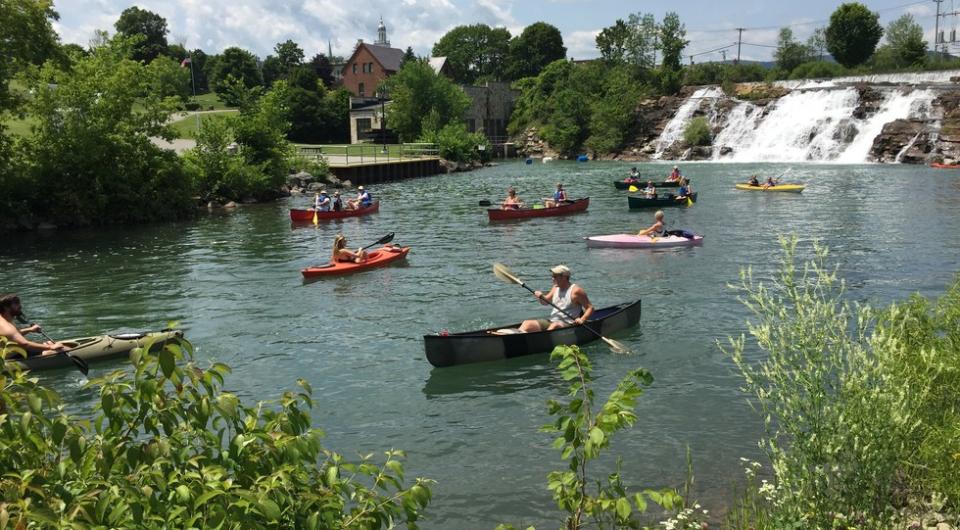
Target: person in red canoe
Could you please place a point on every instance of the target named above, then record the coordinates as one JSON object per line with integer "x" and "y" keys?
{"x": 569, "y": 297}
{"x": 512, "y": 202}
{"x": 559, "y": 197}
{"x": 363, "y": 200}
{"x": 10, "y": 309}
{"x": 337, "y": 202}
{"x": 341, "y": 254}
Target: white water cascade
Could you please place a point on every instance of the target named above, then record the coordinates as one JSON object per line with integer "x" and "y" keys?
{"x": 674, "y": 129}
{"x": 805, "y": 125}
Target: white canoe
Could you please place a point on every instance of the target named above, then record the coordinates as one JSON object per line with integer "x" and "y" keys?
{"x": 634, "y": 241}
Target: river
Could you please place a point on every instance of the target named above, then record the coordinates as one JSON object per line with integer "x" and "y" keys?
{"x": 232, "y": 281}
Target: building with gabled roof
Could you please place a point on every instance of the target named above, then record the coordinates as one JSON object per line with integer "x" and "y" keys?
{"x": 370, "y": 64}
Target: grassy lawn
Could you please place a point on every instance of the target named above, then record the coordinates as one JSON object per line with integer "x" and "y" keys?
{"x": 187, "y": 127}
{"x": 207, "y": 101}
{"x": 19, "y": 127}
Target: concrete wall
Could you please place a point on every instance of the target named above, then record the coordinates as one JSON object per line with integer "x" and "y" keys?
{"x": 490, "y": 109}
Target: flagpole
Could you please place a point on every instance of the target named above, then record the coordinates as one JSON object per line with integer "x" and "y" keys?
{"x": 193, "y": 85}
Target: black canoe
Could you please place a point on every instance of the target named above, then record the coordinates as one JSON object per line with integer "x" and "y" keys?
{"x": 487, "y": 345}
{"x": 662, "y": 200}
{"x": 621, "y": 185}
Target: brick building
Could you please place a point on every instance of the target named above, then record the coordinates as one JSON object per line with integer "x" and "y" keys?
{"x": 370, "y": 64}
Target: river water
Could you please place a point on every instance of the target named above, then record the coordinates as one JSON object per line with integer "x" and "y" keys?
{"x": 232, "y": 280}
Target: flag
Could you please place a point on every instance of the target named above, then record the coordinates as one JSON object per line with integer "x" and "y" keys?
{"x": 184, "y": 63}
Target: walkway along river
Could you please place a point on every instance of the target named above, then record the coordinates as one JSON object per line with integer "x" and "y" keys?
{"x": 233, "y": 282}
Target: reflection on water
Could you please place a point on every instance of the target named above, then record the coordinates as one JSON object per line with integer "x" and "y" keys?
{"x": 233, "y": 280}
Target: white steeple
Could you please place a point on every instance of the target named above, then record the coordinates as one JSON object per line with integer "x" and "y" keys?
{"x": 382, "y": 34}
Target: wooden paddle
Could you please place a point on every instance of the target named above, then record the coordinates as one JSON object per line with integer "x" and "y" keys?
{"x": 78, "y": 362}
{"x": 501, "y": 271}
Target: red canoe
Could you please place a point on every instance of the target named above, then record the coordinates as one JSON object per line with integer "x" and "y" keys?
{"x": 945, "y": 166}
{"x": 377, "y": 258}
{"x": 306, "y": 216}
{"x": 578, "y": 205}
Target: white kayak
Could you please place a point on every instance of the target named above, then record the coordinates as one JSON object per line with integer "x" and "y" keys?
{"x": 634, "y": 241}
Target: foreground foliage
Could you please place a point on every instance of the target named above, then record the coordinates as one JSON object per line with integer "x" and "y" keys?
{"x": 860, "y": 403}
{"x": 584, "y": 432}
{"x": 169, "y": 448}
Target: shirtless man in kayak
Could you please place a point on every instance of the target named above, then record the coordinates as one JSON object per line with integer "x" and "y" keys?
{"x": 10, "y": 309}
{"x": 567, "y": 296}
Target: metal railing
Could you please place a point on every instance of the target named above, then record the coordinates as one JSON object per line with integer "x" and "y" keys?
{"x": 358, "y": 154}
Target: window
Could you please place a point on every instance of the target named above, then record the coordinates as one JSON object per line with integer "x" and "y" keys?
{"x": 354, "y": 67}
{"x": 361, "y": 91}
{"x": 364, "y": 125}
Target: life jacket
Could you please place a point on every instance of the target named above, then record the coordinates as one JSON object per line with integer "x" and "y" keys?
{"x": 559, "y": 195}
{"x": 365, "y": 198}
{"x": 337, "y": 204}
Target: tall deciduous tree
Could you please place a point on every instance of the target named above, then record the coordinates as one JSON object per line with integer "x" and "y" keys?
{"x": 321, "y": 65}
{"x": 537, "y": 46}
{"x": 239, "y": 64}
{"x": 905, "y": 38}
{"x": 817, "y": 42}
{"x": 27, "y": 37}
{"x": 421, "y": 95}
{"x": 790, "y": 53}
{"x": 853, "y": 34}
{"x": 612, "y": 42}
{"x": 672, "y": 41}
{"x": 151, "y": 26}
{"x": 474, "y": 52}
{"x": 643, "y": 42}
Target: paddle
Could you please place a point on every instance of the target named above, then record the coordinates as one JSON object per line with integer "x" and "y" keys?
{"x": 501, "y": 271}
{"x": 633, "y": 189}
{"x": 382, "y": 241}
{"x": 316, "y": 220}
{"x": 485, "y": 202}
{"x": 78, "y": 362}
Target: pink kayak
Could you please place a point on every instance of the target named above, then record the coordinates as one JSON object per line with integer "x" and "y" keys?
{"x": 633, "y": 241}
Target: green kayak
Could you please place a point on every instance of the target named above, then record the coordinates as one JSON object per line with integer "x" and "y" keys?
{"x": 95, "y": 349}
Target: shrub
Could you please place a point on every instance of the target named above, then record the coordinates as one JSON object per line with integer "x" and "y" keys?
{"x": 456, "y": 144}
{"x": 191, "y": 105}
{"x": 818, "y": 70}
{"x": 849, "y": 393}
{"x": 169, "y": 448}
{"x": 697, "y": 132}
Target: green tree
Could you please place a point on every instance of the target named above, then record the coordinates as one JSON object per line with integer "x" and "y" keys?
{"x": 537, "y": 46}
{"x": 853, "y": 34}
{"x": 238, "y": 64}
{"x": 168, "y": 79}
{"x": 408, "y": 56}
{"x": 151, "y": 26}
{"x": 790, "y": 53}
{"x": 27, "y": 37}
{"x": 474, "y": 52}
{"x": 91, "y": 152}
{"x": 612, "y": 42}
{"x": 271, "y": 70}
{"x": 905, "y": 38}
{"x": 643, "y": 41}
{"x": 198, "y": 69}
{"x": 817, "y": 42}
{"x": 613, "y": 120}
{"x": 289, "y": 54}
{"x": 321, "y": 66}
{"x": 417, "y": 92}
{"x": 672, "y": 41}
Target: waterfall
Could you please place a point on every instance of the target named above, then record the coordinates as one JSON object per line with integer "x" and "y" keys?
{"x": 800, "y": 126}
{"x": 674, "y": 129}
{"x": 896, "y": 106}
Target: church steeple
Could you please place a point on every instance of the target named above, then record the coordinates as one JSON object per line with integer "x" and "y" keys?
{"x": 382, "y": 34}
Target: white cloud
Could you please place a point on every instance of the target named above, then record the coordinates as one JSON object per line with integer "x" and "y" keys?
{"x": 582, "y": 44}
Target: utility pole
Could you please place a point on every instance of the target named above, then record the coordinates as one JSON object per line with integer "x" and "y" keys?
{"x": 936, "y": 25}
{"x": 740, "y": 39}
{"x": 723, "y": 53}
{"x": 691, "y": 60}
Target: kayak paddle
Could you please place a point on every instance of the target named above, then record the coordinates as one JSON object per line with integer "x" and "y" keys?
{"x": 78, "y": 362}
{"x": 501, "y": 271}
{"x": 382, "y": 241}
{"x": 485, "y": 202}
{"x": 633, "y": 189}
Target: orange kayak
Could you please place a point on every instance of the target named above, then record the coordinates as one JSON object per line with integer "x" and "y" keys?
{"x": 937, "y": 165}
{"x": 377, "y": 258}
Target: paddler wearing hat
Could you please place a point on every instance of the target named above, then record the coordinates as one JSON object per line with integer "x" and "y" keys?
{"x": 568, "y": 297}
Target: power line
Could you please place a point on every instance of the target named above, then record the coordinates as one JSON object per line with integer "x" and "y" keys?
{"x": 801, "y": 24}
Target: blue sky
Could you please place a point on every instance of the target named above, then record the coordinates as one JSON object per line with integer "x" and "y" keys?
{"x": 259, "y": 24}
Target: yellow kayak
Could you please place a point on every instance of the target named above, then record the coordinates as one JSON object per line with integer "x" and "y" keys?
{"x": 786, "y": 188}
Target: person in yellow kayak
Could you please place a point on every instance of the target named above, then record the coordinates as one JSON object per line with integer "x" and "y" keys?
{"x": 341, "y": 254}
{"x": 770, "y": 183}
{"x": 11, "y": 309}
{"x": 512, "y": 202}
{"x": 753, "y": 181}
{"x": 657, "y": 229}
{"x": 569, "y": 297}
